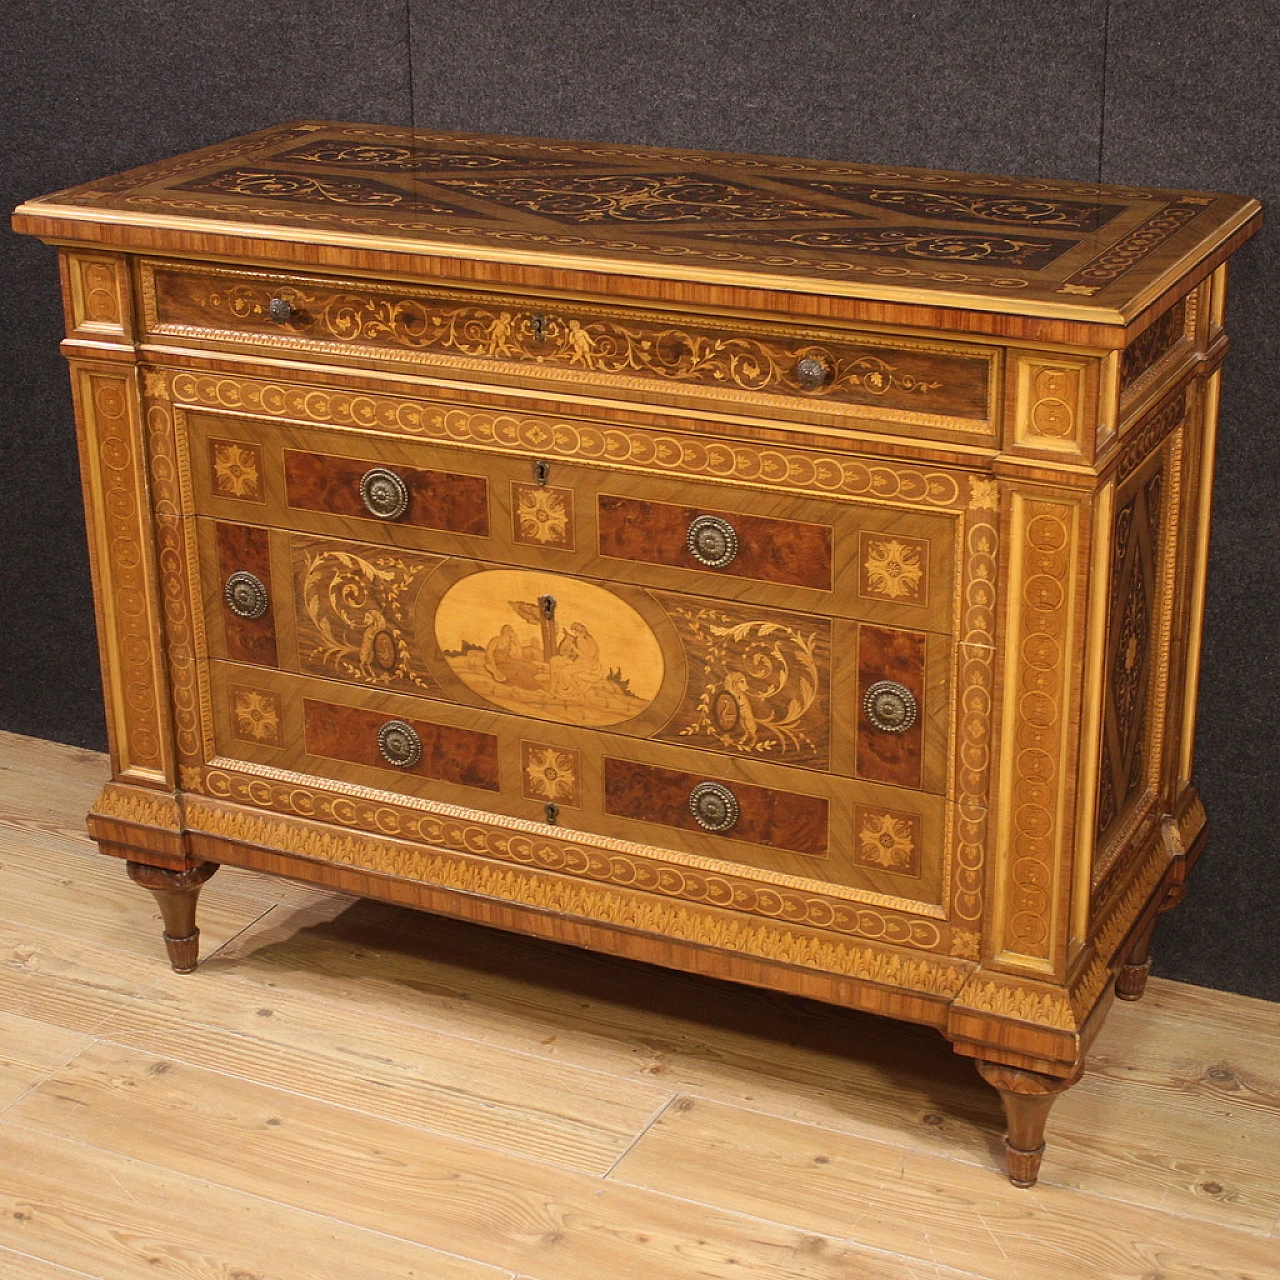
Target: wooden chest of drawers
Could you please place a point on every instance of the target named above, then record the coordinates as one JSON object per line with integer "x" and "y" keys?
{"x": 789, "y": 571}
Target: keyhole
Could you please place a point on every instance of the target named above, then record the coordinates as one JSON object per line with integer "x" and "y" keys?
{"x": 539, "y": 322}
{"x": 542, "y": 471}
{"x": 548, "y": 606}
{"x": 552, "y": 812}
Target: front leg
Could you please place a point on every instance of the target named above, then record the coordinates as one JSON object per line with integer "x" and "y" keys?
{"x": 176, "y": 892}
{"x": 1027, "y": 1098}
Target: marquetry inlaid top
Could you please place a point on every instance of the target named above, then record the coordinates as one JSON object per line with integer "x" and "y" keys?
{"x": 1026, "y": 246}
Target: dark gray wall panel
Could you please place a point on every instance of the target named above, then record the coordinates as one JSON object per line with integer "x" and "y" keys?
{"x": 1194, "y": 104}
{"x": 1000, "y": 85}
{"x": 981, "y": 85}
{"x": 93, "y": 87}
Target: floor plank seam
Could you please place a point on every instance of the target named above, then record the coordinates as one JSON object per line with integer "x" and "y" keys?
{"x": 36, "y": 1084}
{"x": 1033, "y": 1195}
{"x": 500, "y": 1272}
{"x": 52, "y": 1262}
{"x": 644, "y": 1128}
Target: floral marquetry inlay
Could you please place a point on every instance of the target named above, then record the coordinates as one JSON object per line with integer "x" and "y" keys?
{"x": 894, "y": 568}
{"x": 668, "y": 197}
{"x": 542, "y": 516}
{"x": 887, "y": 841}
{"x": 551, "y": 774}
{"x": 236, "y": 469}
{"x": 255, "y": 715}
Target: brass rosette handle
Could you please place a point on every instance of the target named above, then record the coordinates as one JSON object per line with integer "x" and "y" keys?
{"x": 384, "y": 493}
{"x": 246, "y": 595}
{"x": 282, "y": 311}
{"x": 811, "y": 373}
{"x": 890, "y": 706}
{"x": 399, "y": 744}
{"x": 714, "y": 806}
{"x": 712, "y": 541}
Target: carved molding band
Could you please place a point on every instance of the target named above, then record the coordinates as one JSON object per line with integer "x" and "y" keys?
{"x": 619, "y": 446}
{"x": 527, "y": 844}
{"x": 530, "y": 886}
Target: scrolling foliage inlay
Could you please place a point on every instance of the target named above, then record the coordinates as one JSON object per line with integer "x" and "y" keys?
{"x": 599, "y": 341}
{"x": 758, "y": 681}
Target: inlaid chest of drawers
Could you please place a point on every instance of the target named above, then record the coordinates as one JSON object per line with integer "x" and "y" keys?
{"x": 782, "y": 570}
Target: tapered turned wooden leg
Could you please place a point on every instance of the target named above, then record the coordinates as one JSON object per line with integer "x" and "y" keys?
{"x": 176, "y": 892}
{"x": 1027, "y": 1098}
{"x": 1131, "y": 978}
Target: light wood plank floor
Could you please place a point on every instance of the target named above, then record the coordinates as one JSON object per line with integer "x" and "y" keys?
{"x": 349, "y": 1091}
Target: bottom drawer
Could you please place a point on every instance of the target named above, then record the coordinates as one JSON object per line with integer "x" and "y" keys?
{"x": 738, "y": 815}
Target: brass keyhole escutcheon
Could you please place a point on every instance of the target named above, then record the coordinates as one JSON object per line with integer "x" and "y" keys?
{"x": 890, "y": 706}
{"x": 246, "y": 595}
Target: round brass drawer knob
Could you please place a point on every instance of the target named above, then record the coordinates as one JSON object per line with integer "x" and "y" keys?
{"x": 281, "y": 310}
{"x": 246, "y": 595}
{"x": 811, "y": 373}
{"x": 890, "y": 706}
{"x": 384, "y": 494}
{"x": 714, "y": 806}
{"x": 399, "y": 744}
{"x": 712, "y": 541}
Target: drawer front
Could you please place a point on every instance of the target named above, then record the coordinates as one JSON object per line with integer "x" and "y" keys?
{"x": 857, "y": 560}
{"x": 709, "y": 812}
{"x": 899, "y": 385}
{"x": 702, "y": 674}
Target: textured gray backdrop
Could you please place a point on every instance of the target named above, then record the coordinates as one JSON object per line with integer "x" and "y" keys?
{"x": 1143, "y": 91}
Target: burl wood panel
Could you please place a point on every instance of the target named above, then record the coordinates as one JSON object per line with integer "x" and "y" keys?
{"x": 887, "y": 654}
{"x": 779, "y": 819}
{"x": 246, "y": 548}
{"x": 437, "y": 499}
{"x": 783, "y": 551}
{"x": 449, "y": 754}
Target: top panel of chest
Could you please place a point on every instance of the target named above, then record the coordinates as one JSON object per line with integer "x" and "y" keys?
{"x": 1026, "y": 247}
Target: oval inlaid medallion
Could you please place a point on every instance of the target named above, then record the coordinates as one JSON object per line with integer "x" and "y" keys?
{"x": 548, "y": 646}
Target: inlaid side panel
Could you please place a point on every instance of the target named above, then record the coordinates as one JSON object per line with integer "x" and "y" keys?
{"x": 1038, "y": 729}
{"x": 1142, "y": 667}
{"x": 768, "y": 550}
{"x": 781, "y": 819}
{"x": 246, "y": 549}
{"x": 121, "y": 533}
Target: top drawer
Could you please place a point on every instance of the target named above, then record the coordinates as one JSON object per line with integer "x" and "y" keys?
{"x": 896, "y": 385}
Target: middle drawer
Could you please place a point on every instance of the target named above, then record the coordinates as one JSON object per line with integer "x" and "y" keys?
{"x": 864, "y": 561}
